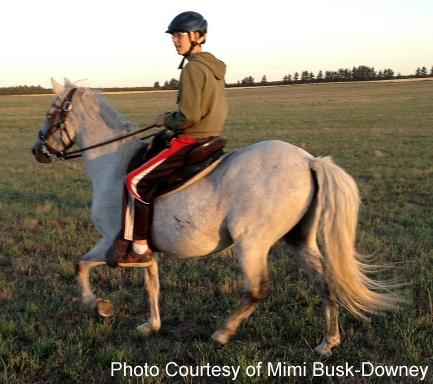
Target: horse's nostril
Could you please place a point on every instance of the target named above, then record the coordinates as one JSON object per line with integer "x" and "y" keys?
{"x": 40, "y": 156}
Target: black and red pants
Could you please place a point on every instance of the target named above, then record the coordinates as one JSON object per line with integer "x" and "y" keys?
{"x": 142, "y": 182}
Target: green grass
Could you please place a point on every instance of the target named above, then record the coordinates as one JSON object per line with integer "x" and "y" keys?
{"x": 381, "y": 133}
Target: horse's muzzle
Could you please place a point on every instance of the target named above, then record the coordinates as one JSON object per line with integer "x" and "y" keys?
{"x": 40, "y": 156}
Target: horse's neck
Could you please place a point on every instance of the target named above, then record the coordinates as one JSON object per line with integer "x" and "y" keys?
{"x": 107, "y": 161}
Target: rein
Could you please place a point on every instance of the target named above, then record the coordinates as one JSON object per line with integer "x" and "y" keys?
{"x": 61, "y": 125}
{"x": 78, "y": 152}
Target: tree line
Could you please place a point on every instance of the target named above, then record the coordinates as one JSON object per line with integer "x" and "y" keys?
{"x": 25, "y": 90}
{"x": 361, "y": 73}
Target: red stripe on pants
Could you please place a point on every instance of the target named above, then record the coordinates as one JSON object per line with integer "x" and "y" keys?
{"x": 136, "y": 177}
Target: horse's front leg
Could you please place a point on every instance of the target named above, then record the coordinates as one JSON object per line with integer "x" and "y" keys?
{"x": 95, "y": 257}
{"x": 82, "y": 269}
{"x": 152, "y": 287}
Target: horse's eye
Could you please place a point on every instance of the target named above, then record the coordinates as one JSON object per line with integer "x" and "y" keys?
{"x": 51, "y": 111}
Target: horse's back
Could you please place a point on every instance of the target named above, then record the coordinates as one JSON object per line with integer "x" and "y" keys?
{"x": 265, "y": 155}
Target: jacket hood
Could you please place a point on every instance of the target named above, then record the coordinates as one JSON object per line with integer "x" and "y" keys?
{"x": 217, "y": 67}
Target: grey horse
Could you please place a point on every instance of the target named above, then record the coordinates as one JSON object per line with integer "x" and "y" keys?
{"x": 256, "y": 196}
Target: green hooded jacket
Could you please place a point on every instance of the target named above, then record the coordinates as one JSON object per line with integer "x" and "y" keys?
{"x": 201, "y": 100}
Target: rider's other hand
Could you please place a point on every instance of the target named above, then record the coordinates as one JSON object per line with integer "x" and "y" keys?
{"x": 160, "y": 120}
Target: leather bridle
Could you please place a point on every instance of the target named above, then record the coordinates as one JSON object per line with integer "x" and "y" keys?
{"x": 58, "y": 123}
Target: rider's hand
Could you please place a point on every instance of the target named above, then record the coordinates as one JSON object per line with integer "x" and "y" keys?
{"x": 160, "y": 120}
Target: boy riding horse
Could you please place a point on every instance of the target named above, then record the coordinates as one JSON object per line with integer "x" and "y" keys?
{"x": 202, "y": 111}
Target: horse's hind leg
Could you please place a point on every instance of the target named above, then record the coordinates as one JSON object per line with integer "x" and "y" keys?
{"x": 310, "y": 258}
{"x": 254, "y": 266}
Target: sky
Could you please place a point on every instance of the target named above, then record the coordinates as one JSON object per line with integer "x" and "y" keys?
{"x": 124, "y": 44}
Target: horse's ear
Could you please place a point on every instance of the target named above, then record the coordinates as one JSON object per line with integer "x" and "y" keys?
{"x": 58, "y": 88}
{"x": 67, "y": 82}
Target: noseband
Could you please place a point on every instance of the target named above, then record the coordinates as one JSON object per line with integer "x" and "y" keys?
{"x": 58, "y": 122}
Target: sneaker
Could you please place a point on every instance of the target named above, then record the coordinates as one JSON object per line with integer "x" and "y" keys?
{"x": 134, "y": 259}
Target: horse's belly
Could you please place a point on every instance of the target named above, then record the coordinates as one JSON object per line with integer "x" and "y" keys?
{"x": 187, "y": 229}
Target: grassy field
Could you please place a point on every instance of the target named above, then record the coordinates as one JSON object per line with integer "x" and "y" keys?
{"x": 381, "y": 133}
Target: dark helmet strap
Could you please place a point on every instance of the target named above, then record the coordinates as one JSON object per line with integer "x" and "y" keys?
{"x": 181, "y": 63}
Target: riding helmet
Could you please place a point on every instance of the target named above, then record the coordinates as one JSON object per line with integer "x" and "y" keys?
{"x": 188, "y": 22}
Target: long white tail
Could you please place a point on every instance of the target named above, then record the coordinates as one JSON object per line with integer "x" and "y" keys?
{"x": 338, "y": 204}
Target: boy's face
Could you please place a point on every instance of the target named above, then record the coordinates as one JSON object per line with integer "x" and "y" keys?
{"x": 181, "y": 42}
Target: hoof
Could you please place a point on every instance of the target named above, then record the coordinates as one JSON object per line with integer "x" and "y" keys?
{"x": 220, "y": 338}
{"x": 105, "y": 308}
{"x": 322, "y": 351}
{"x": 327, "y": 344}
{"x": 144, "y": 328}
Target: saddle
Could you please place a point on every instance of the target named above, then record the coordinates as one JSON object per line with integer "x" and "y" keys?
{"x": 205, "y": 153}
{"x": 196, "y": 161}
